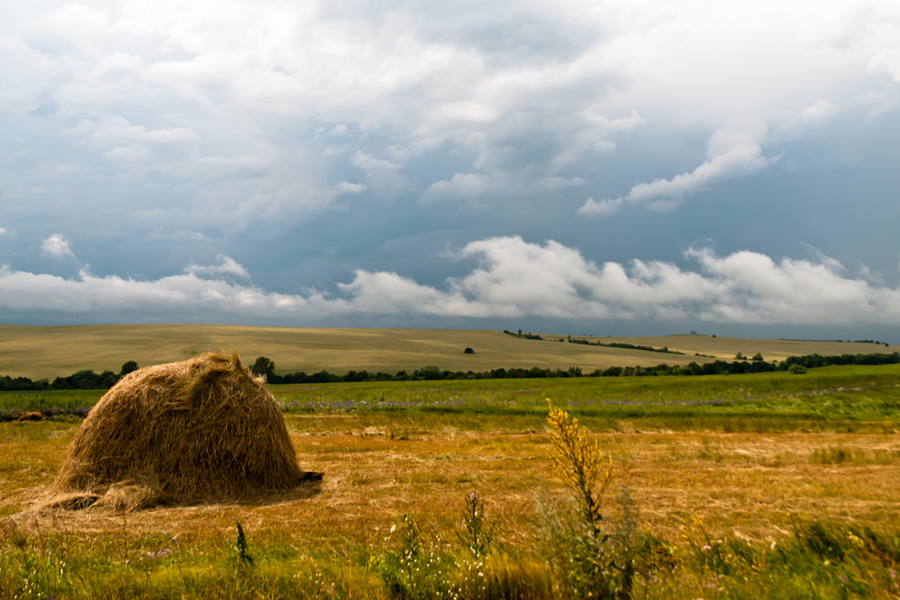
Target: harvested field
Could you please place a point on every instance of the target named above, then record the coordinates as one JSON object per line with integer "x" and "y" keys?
{"x": 47, "y": 352}
{"x": 377, "y": 471}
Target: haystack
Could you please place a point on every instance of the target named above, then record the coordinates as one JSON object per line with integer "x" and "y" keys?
{"x": 201, "y": 430}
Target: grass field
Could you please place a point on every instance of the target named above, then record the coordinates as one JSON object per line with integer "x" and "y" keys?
{"x": 770, "y": 485}
{"x": 47, "y": 352}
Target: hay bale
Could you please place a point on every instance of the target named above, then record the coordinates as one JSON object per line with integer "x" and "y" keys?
{"x": 201, "y": 430}
{"x": 30, "y": 415}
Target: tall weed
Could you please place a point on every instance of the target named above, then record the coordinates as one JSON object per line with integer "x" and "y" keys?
{"x": 592, "y": 555}
{"x": 475, "y": 535}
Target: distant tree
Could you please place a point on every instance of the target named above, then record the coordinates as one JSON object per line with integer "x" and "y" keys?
{"x": 758, "y": 357}
{"x": 107, "y": 379}
{"x": 469, "y": 351}
{"x": 128, "y": 367}
{"x": 739, "y": 356}
{"x": 263, "y": 366}
{"x": 428, "y": 373}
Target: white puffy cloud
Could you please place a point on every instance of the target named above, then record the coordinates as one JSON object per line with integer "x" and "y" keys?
{"x": 57, "y": 245}
{"x": 757, "y": 289}
{"x": 348, "y": 187}
{"x": 512, "y": 278}
{"x": 666, "y": 194}
{"x": 384, "y": 293}
{"x": 188, "y": 296}
{"x": 226, "y": 266}
{"x": 461, "y": 185}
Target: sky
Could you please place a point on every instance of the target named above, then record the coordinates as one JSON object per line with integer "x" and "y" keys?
{"x": 624, "y": 167}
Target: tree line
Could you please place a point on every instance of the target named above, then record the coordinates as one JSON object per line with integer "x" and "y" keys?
{"x": 585, "y": 342}
{"x": 798, "y": 364}
{"x": 88, "y": 380}
{"x": 80, "y": 380}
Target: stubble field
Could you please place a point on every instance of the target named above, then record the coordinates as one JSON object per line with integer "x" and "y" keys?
{"x": 47, "y": 352}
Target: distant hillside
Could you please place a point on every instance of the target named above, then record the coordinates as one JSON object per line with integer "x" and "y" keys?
{"x": 45, "y": 352}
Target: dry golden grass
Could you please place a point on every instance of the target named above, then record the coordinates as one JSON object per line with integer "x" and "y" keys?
{"x": 46, "y": 352}
{"x": 379, "y": 467}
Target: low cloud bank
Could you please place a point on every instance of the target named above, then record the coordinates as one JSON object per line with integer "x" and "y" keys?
{"x": 511, "y": 279}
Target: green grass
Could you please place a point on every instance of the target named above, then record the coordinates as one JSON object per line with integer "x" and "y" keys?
{"x": 857, "y": 396}
{"x": 839, "y": 397}
{"x": 69, "y": 399}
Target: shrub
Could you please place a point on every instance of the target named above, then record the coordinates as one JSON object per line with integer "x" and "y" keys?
{"x": 128, "y": 367}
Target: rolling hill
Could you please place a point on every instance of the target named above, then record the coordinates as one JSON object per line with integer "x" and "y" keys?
{"x": 48, "y": 351}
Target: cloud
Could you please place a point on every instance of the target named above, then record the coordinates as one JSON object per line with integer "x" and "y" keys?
{"x": 183, "y": 297}
{"x": 117, "y": 131}
{"x": 78, "y": 20}
{"x": 226, "y": 266}
{"x": 461, "y": 185}
{"x": 512, "y": 278}
{"x": 56, "y": 245}
{"x": 526, "y": 92}
{"x": 260, "y": 121}
{"x": 339, "y": 130}
{"x": 474, "y": 187}
{"x": 384, "y": 178}
{"x": 367, "y": 162}
{"x": 666, "y": 194}
{"x": 384, "y": 293}
{"x": 347, "y": 187}
{"x": 603, "y": 208}
{"x": 818, "y": 112}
